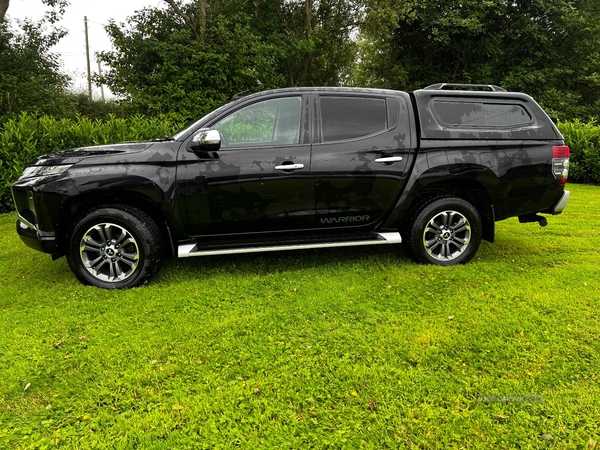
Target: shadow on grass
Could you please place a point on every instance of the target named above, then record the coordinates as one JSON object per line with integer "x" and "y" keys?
{"x": 314, "y": 259}
{"x": 267, "y": 263}
{"x": 507, "y": 248}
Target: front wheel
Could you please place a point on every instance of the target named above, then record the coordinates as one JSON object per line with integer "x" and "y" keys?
{"x": 443, "y": 231}
{"x": 115, "y": 247}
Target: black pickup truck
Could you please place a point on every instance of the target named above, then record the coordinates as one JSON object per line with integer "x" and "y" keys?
{"x": 301, "y": 168}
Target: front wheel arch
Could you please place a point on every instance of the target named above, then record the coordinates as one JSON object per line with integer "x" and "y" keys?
{"x": 73, "y": 210}
{"x": 114, "y": 247}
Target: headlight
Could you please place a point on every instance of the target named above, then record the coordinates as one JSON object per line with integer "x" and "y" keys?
{"x": 43, "y": 171}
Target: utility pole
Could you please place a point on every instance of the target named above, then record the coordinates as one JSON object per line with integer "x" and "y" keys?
{"x": 100, "y": 74}
{"x": 87, "y": 55}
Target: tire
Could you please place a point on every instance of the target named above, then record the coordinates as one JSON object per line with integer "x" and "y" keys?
{"x": 115, "y": 247}
{"x": 443, "y": 231}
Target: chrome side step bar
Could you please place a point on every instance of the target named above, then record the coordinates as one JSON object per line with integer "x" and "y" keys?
{"x": 189, "y": 250}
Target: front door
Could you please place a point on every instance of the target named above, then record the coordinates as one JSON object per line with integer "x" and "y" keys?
{"x": 259, "y": 180}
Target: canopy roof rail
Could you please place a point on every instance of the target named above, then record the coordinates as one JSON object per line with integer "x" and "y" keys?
{"x": 445, "y": 86}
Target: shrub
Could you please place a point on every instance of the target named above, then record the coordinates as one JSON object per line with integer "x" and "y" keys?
{"x": 25, "y": 137}
{"x": 80, "y": 104}
{"x": 584, "y": 141}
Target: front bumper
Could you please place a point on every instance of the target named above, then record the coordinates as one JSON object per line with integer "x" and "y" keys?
{"x": 36, "y": 239}
{"x": 38, "y": 201}
{"x": 561, "y": 204}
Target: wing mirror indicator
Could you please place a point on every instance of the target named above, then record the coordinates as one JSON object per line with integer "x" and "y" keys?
{"x": 206, "y": 140}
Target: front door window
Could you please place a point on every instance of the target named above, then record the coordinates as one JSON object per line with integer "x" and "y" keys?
{"x": 269, "y": 123}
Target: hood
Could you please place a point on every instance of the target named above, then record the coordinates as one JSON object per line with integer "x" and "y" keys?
{"x": 79, "y": 154}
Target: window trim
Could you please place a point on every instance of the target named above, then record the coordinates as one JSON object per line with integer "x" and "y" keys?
{"x": 461, "y": 126}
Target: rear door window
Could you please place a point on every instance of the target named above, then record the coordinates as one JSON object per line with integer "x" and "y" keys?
{"x": 344, "y": 118}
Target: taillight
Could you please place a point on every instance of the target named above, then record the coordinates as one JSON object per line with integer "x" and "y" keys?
{"x": 560, "y": 163}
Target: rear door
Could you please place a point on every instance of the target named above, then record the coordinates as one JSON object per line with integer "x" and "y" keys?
{"x": 360, "y": 157}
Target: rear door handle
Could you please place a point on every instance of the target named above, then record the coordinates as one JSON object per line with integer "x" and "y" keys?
{"x": 389, "y": 160}
{"x": 289, "y": 167}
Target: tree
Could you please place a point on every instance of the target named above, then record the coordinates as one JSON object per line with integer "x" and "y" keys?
{"x": 314, "y": 37}
{"x": 189, "y": 57}
{"x": 3, "y": 7}
{"x": 58, "y": 9}
{"x": 549, "y": 49}
{"x": 195, "y": 21}
{"x": 159, "y": 65}
{"x": 30, "y": 76}
{"x": 318, "y": 40}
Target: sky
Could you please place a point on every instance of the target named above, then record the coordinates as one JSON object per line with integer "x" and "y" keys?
{"x": 72, "y": 47}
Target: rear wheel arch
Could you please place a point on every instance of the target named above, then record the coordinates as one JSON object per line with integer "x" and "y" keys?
{"x": 471, "y": 191}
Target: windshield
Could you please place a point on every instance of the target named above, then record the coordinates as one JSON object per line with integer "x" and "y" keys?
{"x": 195, "y": 124}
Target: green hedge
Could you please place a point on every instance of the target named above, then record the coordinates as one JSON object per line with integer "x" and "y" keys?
{"x": 24, "y": 138}
{"x": 584, "y": 141}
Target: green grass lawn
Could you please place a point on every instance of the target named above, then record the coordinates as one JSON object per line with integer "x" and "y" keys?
{"x": 353, "y": 348}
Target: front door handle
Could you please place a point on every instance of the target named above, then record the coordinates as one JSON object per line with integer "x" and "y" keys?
{"x": 389, "y": 160}
{"x": 289, "y": 167}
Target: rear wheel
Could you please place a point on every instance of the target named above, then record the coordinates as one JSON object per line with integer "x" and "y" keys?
{"x": 115, "y": 247}
{"x": 443, "y": 231}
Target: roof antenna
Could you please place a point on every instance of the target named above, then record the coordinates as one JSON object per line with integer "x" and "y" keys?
{"x": 259, "y": 86}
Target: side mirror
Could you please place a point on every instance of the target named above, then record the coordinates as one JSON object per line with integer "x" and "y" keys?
{"x": 206, "y": 140}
